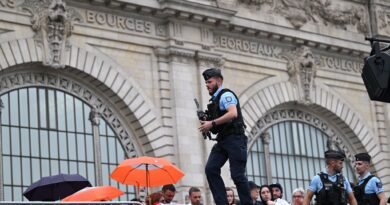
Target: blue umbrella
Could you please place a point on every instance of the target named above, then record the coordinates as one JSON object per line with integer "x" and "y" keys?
{"x": 55, "y": 187}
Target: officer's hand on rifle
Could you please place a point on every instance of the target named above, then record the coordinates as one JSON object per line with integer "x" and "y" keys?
{"x": 205, "y": 126}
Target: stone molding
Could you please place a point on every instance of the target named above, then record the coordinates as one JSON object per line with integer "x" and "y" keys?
{"x": 53, "y": 23}
{"x": 57, "y": 81}
{"x": 265, "y": 96}
{"x": 136, "y": 108}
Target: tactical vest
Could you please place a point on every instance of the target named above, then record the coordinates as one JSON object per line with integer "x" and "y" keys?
{"x": 236, "y": 126}
{"x": 361, "y": 197}
{"x": 332, "y": 193}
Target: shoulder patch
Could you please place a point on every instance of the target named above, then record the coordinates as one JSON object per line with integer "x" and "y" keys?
{"x": 228, "y": 99}
{"x": 379, "y": 184}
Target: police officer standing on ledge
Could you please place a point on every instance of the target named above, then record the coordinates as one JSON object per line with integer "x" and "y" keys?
{"x": 369, "y": 190}
{"x": 331, "y": 187}
{"x": 227, "y": 123}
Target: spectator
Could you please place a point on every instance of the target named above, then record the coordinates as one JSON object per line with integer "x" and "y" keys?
{"x": 169, "y": 192}
{"x": 265, "y": 194}
{"x": 277, "y": 194}
{"x": 195, "y": 196}
{"x": 254, "y": 191}
{"x": 154, "y": 199}
{"x": 230, "y": 196}
{"x": 297, "y": 196}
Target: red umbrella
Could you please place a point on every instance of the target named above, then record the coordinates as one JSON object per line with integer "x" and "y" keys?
{"x": 101, "y": 193}
{"x": 147, "y": 171}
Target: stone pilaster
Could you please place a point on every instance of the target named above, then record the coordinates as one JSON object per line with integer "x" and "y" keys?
{"x": 94, "y": 117}
{"x": 1, "y": 156}
{"x": 266, "y": 137}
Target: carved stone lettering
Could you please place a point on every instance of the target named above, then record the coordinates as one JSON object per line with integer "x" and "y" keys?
{"x": 119, "y": 22}
{"x": 247, "y": 46}
{"x": 340, "y": 64}
{"x": 7, "y": 4}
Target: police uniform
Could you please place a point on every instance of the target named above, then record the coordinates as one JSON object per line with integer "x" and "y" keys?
{"x": 369, "y": 186}
{"x": 331, "y": 189}
{"x": 231, "y": 145}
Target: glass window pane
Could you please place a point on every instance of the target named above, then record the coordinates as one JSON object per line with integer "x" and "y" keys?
{"x": 16, "y": 171}
{"x": 72, "y": 146}
{"x": 53, "y": 138}
{"x": 33, "y": 107}
{"x": 25, "y": 135}
{"x": 61, "y": 116}
{"x": 70, "y": 121}
{"x": 44, "y": 144}
{"x": 81, "y": 147}
{"x": 7, "y": 169}
{"x": 42, "y": 108}
{"x": 6, "y": 140}
{"x": 23, "y": 107}
{"x": 15, "y": 141}
{"x": 26, "y": 171}
{"x": 14, "y": 108}
{"x": 52, "y": 109}
{"x": 63, "y": 145}
{"x": 79, "y": 116}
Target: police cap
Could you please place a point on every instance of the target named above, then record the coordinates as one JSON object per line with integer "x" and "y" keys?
{"x": 212, "y": 72}
{"x": 334, "y": 154}
{"x": 362, "y": 157}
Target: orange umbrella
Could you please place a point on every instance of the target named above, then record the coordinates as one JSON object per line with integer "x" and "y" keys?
{"x": 100, "y": 193}
{"x": 147, "y": 171}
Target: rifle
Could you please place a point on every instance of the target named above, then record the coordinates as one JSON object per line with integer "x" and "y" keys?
{"x": 202, "y": 115}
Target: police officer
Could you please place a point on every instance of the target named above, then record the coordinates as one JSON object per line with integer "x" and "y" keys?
{"x": 227, "y": 123}
{"x": 369, "y": 190}
{"x": 331, "y": 187}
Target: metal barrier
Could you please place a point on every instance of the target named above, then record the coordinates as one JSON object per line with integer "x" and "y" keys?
{"x": 70, "y": 203}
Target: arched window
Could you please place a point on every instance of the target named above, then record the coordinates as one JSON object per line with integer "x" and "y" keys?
{"x": 295, "y": 151}
{"x": 47, "y": 131}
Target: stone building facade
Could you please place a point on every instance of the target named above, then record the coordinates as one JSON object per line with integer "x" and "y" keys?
{"x": 137, "y": 64}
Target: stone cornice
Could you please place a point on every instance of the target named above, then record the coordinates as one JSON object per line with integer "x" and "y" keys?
{"x": 225, "y": 20}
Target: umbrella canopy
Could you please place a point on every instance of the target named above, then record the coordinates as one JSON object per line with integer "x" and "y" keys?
{"x": 100, "y": 193}
{"x": 55, "y": 187}
{"x": 147, "y": 171}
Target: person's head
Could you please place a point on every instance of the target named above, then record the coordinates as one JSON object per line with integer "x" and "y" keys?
{"x": 254, "y": 190}
{"x": 276, "y": 191}
{"x": 154, "y": 198}
{"x": 334, "y": 160}
{"x": 297, "y": 196}
{"x": 169, "y": 192}
{"x": 213, "y": 79}
{"x": 195, "y": 195}
{"x": 230, "y": 196}
{"x": 265, "y": 193}
{"x": 362, "y": 163}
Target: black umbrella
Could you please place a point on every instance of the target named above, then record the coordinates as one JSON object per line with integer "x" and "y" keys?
{"x": 55, "y": 187}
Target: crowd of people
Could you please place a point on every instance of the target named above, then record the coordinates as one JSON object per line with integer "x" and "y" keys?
{"x": 329, "y": 187}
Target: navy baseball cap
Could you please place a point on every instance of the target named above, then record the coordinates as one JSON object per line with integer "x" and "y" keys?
{"x": 363, "y": 157}
{"x": 334, "y": 154}
{"x": 212, "y": 72}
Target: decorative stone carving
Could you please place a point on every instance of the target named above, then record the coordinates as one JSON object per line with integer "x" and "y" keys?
{"x": 302, "y": 70}
{"x": 383, "y": 20}
{"x": 94, "y": 117}
{"x": 334, "y": 141}
{"x": 298, "y": 13}
{"x": 52, "y": 22}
